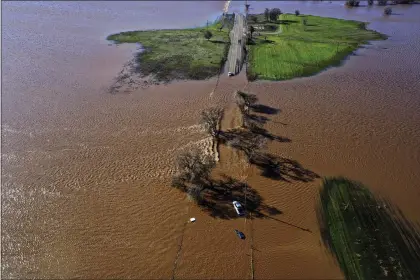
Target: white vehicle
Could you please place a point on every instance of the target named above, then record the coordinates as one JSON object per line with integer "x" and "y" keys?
{"x": 238, "y": 207}
{"x": 230, "y": 74}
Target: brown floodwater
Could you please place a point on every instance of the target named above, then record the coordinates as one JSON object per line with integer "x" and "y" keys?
{"x": 86, "y": 174}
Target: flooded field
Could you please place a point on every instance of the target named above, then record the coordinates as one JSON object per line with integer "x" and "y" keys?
{"x": 86, "y": 174}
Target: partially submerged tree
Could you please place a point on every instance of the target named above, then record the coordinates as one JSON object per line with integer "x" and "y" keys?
{"x": 245, "y": 100}
{"x": 255, "y": 145}
{"x": 387, "y": 11}
{"x": 195, "y": 193}
{"x": 208, "y": 34}
{"x": 274, "y": 14}
{"x": 194, "y": 167}
{"x": 210, "y": 119}
{"x": 248, "y": 142}
{"x": 370, "y": 2}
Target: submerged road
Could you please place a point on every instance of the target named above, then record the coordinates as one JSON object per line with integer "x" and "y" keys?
{"x": 237, "y": 44}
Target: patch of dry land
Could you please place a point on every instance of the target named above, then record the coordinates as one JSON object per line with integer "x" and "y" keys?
{"x": 302, "y": 45}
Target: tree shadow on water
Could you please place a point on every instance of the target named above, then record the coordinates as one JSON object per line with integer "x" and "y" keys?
{"x": 264, "y": 132}
{"x": 218, "y": 195}
{"x": 271, "y": 166}
{"x": 280, "y": 168}
{"x": 243, "y": 137}
{"x": 369, "y": 237}
{"x": 252, "y": 139}
{"x": 264, "y": 109}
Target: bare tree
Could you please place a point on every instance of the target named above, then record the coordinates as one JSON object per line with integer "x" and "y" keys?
{"x": 195, "y": 193}
{"x": 210, "y": 119}
{"x": 248, "y": 142}
{"x": 194, "y": 167}
{"x": 245, "y": 100}
{"x": 254, "y": 144}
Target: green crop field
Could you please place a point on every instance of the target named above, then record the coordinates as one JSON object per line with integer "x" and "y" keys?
{"x": 369, "y": 237}
{"x": 296, "y": 50}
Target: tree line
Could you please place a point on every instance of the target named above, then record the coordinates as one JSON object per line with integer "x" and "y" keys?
{"x": 356, "y": 3}
{"x": 194, "y": 167}
{"x": 272, "y": 14}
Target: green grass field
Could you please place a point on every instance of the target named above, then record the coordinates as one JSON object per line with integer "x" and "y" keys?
{"x": 297, "y": 50}
{"x": 368, "y": 237}
{"x": 178, "y": 54}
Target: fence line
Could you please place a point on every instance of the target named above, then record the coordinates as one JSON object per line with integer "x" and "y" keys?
{"x": 178, "y": 252}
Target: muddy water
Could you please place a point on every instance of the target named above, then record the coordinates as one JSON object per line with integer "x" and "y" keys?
{"x": 85, "y": 174}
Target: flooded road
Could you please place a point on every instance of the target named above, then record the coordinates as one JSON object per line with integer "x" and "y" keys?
{"x": 86, "y": 174}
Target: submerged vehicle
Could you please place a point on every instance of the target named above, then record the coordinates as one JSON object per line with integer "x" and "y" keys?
{"x": 238, "y": 207}
{"x": 240, "y": 234}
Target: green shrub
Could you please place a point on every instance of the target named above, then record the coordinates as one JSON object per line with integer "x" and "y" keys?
{"x": 208, "y": 34}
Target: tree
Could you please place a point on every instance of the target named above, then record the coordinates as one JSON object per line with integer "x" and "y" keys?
{"x": 253, "y": 18}
{"x": 194, "y": 167}
{"x": 387, "y": 11}
{"x": 274, "y": 14}
{"x": 370, "y": 2}
{"x": 382, "y": 2}
{"x": 248, "y": 142}
{"x": 267, "y": 14}
{"x": 195, "y": 193}
{"x": 208, "y": 34}
{"x": 254, "y": 145}
{"x": 210, "y": 119}
{"x": 245, "y": 100}
{"x": 297, "y": 13}
{"x": 251, "y": 29}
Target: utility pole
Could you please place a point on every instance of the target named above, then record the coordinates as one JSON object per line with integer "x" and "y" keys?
{"x": 246, "y": 9}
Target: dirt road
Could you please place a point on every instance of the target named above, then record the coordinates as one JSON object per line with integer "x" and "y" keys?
{"x": 236, "y": 51}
